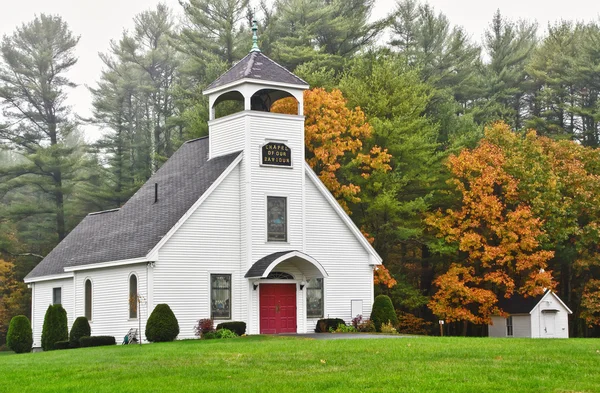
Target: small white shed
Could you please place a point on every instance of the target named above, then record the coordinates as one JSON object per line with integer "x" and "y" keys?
{"x": 544, "y": 316}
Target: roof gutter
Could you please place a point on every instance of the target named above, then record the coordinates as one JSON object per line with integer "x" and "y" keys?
{"x": 48, "y": 278}
{"x": 102, "y": 265}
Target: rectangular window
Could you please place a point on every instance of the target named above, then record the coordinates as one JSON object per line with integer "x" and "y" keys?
{"x": 509, "y": 326}
{"x": 277, "y": 219}
{"x": 220, "y": 296}
{"x": 314, "y": 298}
{"x": 56, "y": 295}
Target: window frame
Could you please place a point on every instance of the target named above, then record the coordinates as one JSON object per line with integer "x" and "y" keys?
{"x": 54, "y": 295}
{"x": 287, "y": 215}
{"x": 212, "y": 311}
{"x": 510, "y": 327}
{"x": 89, "y": 314}
{"x": 129, "y": 296}
{"x": 309, "y": 290}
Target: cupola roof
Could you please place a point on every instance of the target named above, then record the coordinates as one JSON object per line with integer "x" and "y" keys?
{"x": 259, "y": 67}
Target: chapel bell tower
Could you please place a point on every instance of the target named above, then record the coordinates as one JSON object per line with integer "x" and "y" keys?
{"x": 272, "y": 145}
{"x": 255, "y": 83}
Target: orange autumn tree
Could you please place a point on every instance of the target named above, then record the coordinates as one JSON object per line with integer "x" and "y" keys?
{"x": 496, "y": 233}
{"x": 336, "y": 140}
{"x": 337, "y": 149}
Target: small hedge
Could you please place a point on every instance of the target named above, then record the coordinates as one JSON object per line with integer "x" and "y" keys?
{"x": 323, "y": 325}
{"x": 237, "y": 327}
{"x": 80, "y": 328}
{"x": 219, "y": 333}
{"x": 63, "y": 345}
{"x": 55, "y": 327}
{"x": 19, "y": 337}
{"x": 96, "y": 341}
{"x": 162, "y": 325}
{"x": 383, "y": 312}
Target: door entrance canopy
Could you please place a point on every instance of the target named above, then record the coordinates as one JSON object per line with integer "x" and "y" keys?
{"x": 310, "y": 267}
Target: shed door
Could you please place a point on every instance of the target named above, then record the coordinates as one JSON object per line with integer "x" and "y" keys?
{"x": 277, "y": 308}
{"x": 549, "y": 324}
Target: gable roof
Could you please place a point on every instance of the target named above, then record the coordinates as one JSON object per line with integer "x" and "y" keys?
{"x": 517, "y": 304}
{"x": 134, "y": 229}
{"x": 257, "y": 66}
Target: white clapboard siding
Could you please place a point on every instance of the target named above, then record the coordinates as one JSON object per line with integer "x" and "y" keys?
{"x": 42, "y": 298}
{"x": 110, "y": 299}
{"x": 276, "y": 181}
{"x": 330, "y": 241}
{"x": 521, "y": 325}
{"x": 498, "y": 327}
{"x": 208, "y": 242}
{"x": 561, "y": 318}
{"x": 227, "y": 134}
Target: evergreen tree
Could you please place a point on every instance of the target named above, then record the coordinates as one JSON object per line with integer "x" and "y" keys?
{"x": 33, "y": 87}
{"x": 320, "y": 31}
{"x": 509, "y": 46}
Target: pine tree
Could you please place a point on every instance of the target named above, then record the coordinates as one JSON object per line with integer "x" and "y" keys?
{"x": 509, "y": 46}
{"x": 33, "y": 89}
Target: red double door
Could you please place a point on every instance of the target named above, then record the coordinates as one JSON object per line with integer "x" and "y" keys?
{"x": 277, "y": 308}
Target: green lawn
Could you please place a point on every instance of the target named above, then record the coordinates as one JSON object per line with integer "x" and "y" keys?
{"x": 289, "y": 364}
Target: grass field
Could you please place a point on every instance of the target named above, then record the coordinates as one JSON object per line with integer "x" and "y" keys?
{"x": 289, "y": 364}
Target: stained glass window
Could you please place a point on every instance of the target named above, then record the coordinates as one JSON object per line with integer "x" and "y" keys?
{"x": 276, "y": 219}
{"x": 133, "y": 296}
{"x": 88, "y": 300}
{"x": 220, "y": 296}
{"x": 314, "y": 298}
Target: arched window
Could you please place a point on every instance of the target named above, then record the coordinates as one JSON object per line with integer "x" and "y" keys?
{"x": 133, "y": 296}
{"x": 88, "y": 299}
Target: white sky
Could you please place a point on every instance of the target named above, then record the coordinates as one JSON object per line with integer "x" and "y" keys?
{"x": 99, "y": 21}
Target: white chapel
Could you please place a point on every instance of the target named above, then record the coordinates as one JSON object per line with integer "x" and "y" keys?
{"x": 234, "y": 226}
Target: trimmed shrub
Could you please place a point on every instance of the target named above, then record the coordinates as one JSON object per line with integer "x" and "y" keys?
{"x": 19, "y": 337}
{"x": 63, "y": 345}
{"x": 219, "y": 333}
{"x": 323, "y": 325}
{"x": 204, "y": 326}
{"x": 55, "y": 327}
{"x": 96, "y": 341}
{"x": 162, "y": 325}
{"x": 383, "y": 312}
{"x": 237, "y": 327}
{"x": 80, "y": 328}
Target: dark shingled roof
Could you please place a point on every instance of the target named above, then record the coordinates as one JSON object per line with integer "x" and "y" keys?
{"x": 257, "y": 66}
{"x": 263, "y": 263}
{"x": 133, "y": 230}
{"x": 517, "y": 304}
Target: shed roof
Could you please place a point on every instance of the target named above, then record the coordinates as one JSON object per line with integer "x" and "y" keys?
{"x": 133, "y": 230}
{"x": 257, "y": 66}
{"x": 518, "y": 304}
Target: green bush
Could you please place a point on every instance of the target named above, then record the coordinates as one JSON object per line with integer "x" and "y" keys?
{"x": 237, "y": 327}
{"x": 162, "y": 325}
{"x": 343, "y": 328}
{"x": 19, "y": 337}
{"x": 63, "y": 345}
{"x": 80, "y": 328}
{"x": 55, "y": 327}
{"x": 96, "y": 341}
{"x": 323, "y": 325}
{"x": 383, "y": 312}
{"x": 219, "y": 333}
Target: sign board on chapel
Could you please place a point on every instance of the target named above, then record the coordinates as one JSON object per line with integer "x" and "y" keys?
{"x": 277, "y": 154}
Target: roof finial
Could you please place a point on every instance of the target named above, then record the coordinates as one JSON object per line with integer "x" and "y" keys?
{"x": 255, "y": 47}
